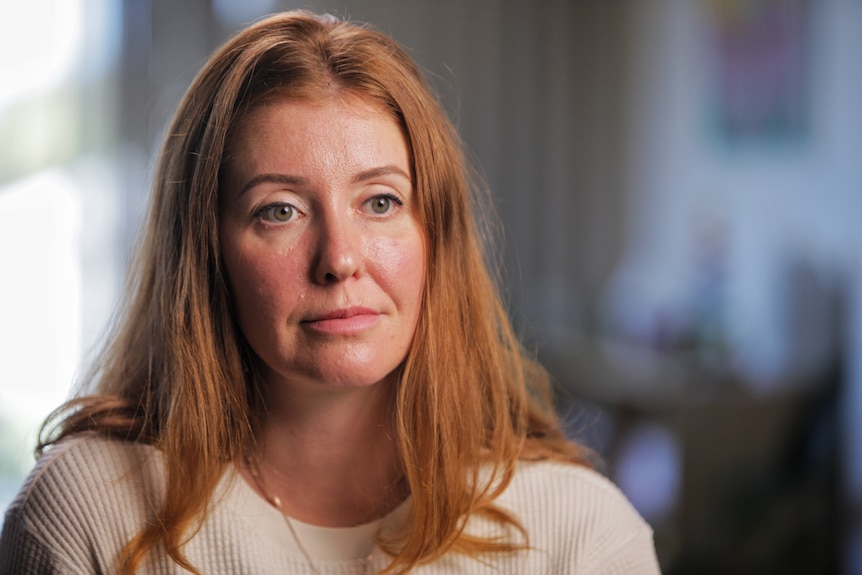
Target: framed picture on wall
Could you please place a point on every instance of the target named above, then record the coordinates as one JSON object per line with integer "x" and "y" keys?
{"x": 759, "y": 77}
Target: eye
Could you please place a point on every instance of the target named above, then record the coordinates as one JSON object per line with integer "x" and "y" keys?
{"x": 383, "y": 204}
{"x": 277, "y": 213}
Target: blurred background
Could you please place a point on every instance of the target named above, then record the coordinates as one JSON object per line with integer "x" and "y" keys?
{"x": 679, "y": 184}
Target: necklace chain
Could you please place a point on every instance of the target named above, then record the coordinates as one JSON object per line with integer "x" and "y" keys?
{"x": 275, "y": 501}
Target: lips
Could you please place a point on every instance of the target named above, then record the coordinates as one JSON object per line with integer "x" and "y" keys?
{"x": 343, "y": 321}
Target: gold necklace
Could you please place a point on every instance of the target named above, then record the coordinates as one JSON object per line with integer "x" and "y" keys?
{"x": 275, "y": 501}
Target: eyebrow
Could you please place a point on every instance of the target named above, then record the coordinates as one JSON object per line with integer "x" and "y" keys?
{"x": 300, "y": 181}
{"x": 274, "y": 179}
{"x": 381, "y": 171}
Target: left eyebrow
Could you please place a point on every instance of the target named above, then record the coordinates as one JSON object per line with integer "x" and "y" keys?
{"x": 381, "y": 171}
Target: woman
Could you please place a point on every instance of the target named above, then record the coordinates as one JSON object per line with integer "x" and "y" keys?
{"x": 315, "y": 373}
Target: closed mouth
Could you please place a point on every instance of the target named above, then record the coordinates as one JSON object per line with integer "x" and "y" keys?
{"x": 345, "y": 321}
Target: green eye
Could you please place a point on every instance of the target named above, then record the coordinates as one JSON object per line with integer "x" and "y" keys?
{"x": 282, "y": 213}
{"x": 381, "y": 205}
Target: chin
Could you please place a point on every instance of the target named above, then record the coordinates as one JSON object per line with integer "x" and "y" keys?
{"x": 345, "y": 377}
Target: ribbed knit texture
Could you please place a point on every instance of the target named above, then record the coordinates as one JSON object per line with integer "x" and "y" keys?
{"x": 88, "y": 496}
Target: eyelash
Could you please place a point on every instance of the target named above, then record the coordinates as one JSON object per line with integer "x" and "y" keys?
{"x": 270, "y": 208}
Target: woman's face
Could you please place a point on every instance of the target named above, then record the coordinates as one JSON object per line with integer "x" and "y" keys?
{"x": 323, "y": 251}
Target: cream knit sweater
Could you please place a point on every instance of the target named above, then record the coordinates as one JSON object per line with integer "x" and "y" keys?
{"x": 88, "y": 496}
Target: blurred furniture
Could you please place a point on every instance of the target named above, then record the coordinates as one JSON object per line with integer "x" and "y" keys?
{"x": 758, "y": 473}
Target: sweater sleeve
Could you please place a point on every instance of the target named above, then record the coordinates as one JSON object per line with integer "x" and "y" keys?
{"x": 21, "y": 553}
{"x": 80, "y": 505}
{"x": 579, "y": 522}
{"x": 49, "y": 526}
{"x": 620, "y": 542}
{"x": 633, "y": 555}
{"x": 638, "y": 556}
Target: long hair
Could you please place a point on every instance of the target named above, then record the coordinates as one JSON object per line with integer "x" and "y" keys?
{"x": 179, "y": 375}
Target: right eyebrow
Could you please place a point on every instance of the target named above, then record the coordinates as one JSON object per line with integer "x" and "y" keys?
{"x": 275, "y": 179}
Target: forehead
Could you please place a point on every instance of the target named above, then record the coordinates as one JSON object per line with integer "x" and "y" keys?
{"x": 259, "y": 111}
{"x": 319, "y": 143}
{"x": 283, "y": 118}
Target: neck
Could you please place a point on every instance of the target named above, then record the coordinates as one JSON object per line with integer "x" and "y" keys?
{"x": 329, "y": 456}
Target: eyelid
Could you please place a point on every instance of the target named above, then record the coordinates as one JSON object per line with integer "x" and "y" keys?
{"x": 394, "y": 192}
{"x": 261, "y": 211}
{"x": 391, "y": 195}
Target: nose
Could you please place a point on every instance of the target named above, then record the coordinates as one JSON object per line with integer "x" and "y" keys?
{"x": 338, "y": 252}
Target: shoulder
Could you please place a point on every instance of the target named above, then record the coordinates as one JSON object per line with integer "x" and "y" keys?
{"x": 90, "y": 450}
{"x": 89, "y": 463}
{"x": 579, "y": 517}
{"x": 84, "y": 494}
{"x": 568, "y": 486}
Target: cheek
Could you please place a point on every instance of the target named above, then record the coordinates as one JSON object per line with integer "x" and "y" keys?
{"x": 261, "y": 280}
{"x": 402, "y": 263}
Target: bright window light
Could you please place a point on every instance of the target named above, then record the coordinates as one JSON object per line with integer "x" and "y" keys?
{"x": 40, "y": 42}
{"x": 40, "y": 299}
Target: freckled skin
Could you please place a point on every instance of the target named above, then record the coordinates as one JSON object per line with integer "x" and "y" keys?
{"x": 307, "y": 241}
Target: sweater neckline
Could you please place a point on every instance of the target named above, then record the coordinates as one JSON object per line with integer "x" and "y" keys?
{"x": 322, "y": 543}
